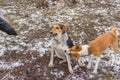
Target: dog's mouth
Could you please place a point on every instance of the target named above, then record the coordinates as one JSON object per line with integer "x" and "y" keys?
{"x": 53, "y": 34}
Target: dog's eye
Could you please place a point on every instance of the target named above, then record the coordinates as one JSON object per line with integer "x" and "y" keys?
{"x": 57, "y": 27}
{"x": 51, "y": 27}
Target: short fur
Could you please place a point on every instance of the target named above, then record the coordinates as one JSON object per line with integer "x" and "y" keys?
{"x": 97, "y": 46}
{"x": 60, "y": 42}
{"x": 79, "y": 50}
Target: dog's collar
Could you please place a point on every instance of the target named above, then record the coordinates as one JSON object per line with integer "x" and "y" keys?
{"x": 90, "y": 50}
{"x": 113, "y": 35}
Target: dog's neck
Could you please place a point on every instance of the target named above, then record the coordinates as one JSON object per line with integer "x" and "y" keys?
{"x": 114, "y": 34}
{"x": 84, "y": 50}
{"x": 61, "y": 38}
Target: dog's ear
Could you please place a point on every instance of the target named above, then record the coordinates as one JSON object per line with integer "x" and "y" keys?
{"x": 76, "y": 48}
{"x": 76, "y": 55}
{"x": 65, "y": 26}
{"x": 114, "y": 31}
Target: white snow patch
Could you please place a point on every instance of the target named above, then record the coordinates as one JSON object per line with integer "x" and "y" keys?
{"x": 40, "y": 45}
{"x": 101, "y": 11}
{"x": 2, "y": 50}
{"x": 8, "y": 76}
{"x": 9, "y": 65}
{"x": 57, "y": 74}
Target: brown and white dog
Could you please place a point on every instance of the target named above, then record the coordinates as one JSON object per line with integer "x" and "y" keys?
{"x": 96, "y": 47}
{"x": 59, "y": 43}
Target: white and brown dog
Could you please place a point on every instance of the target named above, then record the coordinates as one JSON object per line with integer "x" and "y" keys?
{"x": 60, "y": 42}
{"x": 96, "y": 47}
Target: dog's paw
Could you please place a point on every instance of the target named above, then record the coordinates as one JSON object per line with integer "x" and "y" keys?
{"x": 71, "y": 71}
{"x": 50, "y": 65}
{"x": 94, "y": 72}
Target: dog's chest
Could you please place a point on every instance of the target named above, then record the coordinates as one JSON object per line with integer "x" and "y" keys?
{"x": 59, "y": 50}
{"x": 59, "y": 44}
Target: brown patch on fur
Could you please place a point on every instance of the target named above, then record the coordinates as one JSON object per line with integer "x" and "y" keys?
{"x": 113, "y": 31}
{"x": 76, "y": 48}
{"x": 104, "y": 41}
{"x": 74, "y": 51}
{"x": 76, "y": 55}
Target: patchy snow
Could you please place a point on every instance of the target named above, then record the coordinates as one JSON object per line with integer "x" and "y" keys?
{"x": 7, "y": 76}
{"x": 89, "y": 14}
{"x": 40, "y": 47}
{"x": 9, "y": 65}
{"x": 57, "y": 73}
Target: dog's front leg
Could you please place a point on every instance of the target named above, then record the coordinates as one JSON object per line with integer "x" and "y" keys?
{"x": 51, "y": 58}
{"x": 96, "y": 65}
{"x": 69, "y": 64}
{"x": 114, "y": 60}
{"x": 89, "y": 62}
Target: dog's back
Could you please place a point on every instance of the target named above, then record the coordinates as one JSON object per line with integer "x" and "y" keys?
{"x": 104, "y": 41}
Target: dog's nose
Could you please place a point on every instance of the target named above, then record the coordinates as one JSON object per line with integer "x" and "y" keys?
{"x": 51, "y": 32}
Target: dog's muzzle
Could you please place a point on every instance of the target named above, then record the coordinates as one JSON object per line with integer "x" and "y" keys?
{"x": 53, "y": 34}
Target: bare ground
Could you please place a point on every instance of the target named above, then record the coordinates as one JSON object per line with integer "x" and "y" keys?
{"x": 32, "y": 25}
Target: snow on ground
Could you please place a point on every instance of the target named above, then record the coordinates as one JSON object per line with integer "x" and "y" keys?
{"x": 9, "y": 65}
{"x": 32, "y": 25}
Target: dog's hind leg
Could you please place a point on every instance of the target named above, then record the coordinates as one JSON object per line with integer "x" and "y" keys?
{"x": 89, "y": 62}
{"x": 69, "y": 64}
{"x": 96, "y": 65}
{"x": 115, "y": 48}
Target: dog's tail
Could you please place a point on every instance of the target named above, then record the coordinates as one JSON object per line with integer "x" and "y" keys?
{"x": 6, "y": 27}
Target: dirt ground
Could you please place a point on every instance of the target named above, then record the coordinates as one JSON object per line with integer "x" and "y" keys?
{"x": 26, "y": 56}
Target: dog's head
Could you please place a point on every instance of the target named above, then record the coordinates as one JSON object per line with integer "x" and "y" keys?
{"x": 58, "y": 28}
{"x": 75, "y": 51}
{"x": 115, "y": 31}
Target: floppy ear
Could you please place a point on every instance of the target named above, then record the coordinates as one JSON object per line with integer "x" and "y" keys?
{"x": 76, "y": 48}
{"x": 65, "y": 26}
{"x": 76, "y": 55}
